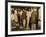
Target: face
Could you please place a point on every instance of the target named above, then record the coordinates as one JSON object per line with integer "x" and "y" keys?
{"x": 20, "y": 11}
{"x": 15, "y": 11}
{"x": 34, "y": 9}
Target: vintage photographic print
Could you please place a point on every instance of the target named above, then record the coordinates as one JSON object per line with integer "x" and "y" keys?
{"x": 24, "y": 18}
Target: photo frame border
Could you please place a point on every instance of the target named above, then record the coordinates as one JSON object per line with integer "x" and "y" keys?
{"x": 6, "y": 18}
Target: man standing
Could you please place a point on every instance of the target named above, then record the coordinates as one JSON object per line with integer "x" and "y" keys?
{"x": 20, "y": 18}
{"x": 28, "y": 13}
{"x": 24, "y": 18}
{"x": 34, "y": 18}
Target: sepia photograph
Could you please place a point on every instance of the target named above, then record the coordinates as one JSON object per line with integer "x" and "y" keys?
{"x": 24, "y": 18}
